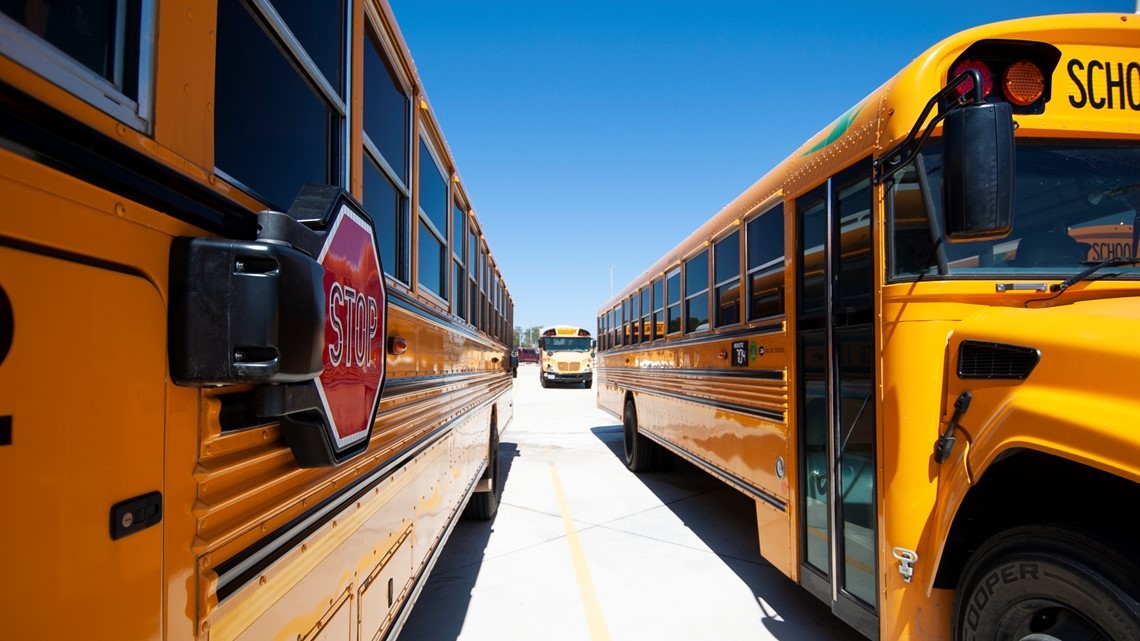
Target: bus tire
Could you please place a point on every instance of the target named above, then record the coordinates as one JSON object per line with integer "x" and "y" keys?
{"x": 484, "y": 505}
{"x": 542, "y": 380}
{"x": 1048, "y": 582}
{"x": 638, "y": 449}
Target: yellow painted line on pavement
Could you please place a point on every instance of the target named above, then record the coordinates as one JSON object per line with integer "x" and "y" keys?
{"x": 594, "y": 617}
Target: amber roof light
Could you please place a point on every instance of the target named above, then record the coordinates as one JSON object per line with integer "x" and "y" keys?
{"x": 1023, "y": 83}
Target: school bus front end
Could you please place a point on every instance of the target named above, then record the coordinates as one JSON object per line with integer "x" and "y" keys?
{"x": 566, "y": 356}
{"x": 1008, "y": 444}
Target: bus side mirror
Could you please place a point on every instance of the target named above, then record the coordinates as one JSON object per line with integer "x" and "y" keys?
{"x": 978, "y": 171}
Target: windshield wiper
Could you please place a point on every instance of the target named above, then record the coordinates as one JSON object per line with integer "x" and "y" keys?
{"x": 1095, "y": 267}
{"x": 1096, "y": 197}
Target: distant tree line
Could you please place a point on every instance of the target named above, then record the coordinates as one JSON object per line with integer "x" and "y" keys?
{"x": 527, "y": 337}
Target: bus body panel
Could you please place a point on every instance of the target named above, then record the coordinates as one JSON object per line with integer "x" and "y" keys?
{"x": 690, "y": 399}
{"x": 98, "y": 408}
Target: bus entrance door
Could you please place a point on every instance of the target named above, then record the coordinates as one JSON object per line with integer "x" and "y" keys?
{"x": 835, "y": 397}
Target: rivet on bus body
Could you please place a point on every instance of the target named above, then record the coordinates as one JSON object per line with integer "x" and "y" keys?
{"x": 262, "y": 580}
{"x": 397, "y": 345}
{"x": 121, "y": 129}
{"x": 722, "y": 355}
{"x": 120, "y": 209}
{"x": 186, "y": 88}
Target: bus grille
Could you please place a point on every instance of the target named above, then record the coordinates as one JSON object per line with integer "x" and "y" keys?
{"x": 568, "y": 367}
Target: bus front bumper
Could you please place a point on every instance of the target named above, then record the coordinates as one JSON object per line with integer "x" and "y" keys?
{"x": 562, "y": 377}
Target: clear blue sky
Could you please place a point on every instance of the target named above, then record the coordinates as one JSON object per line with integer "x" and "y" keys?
{"x": 599, "y": 133}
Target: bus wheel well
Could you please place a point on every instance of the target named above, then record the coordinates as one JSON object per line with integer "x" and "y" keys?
{"x": 1027, "y": 487}
{"x": 626, "y": 400}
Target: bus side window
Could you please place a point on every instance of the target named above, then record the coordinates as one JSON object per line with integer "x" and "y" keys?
{"x": 764, "y": 241}
{"x": 912, "y": 247}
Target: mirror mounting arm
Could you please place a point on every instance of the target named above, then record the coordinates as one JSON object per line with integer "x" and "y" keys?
{"x": 903, "y": 153}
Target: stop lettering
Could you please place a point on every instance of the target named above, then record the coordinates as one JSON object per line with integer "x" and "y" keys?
{"x": 355, "y": 327}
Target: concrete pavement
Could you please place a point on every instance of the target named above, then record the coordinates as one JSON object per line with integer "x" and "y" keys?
{"x": 584, "y": 550}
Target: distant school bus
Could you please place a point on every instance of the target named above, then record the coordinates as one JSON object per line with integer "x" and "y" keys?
{"x": 253, "y": 346}
{"x": 912, "y": 344}
{"x": 565, "y": 355}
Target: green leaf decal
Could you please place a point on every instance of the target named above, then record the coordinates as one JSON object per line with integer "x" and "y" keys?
{"x": 840, "y": 128}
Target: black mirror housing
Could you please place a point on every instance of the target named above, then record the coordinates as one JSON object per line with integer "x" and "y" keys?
{"x": 978, "y": 172}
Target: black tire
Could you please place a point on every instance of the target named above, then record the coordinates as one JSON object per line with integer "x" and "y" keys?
{"x": 1048, "y": 583}
{"x": 484, "y": 505}
{"x": 638, "y": 449}
{"x": 542, "y": 380}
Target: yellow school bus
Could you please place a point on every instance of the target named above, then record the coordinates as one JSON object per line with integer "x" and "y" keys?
{"x": 253, "y": 345}
{"x": 565, "y": 356}
{"x": 911, "y": 343}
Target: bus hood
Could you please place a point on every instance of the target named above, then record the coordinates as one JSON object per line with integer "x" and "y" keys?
{"x": 1086, "y": 343}
{"x": 1059, "y": 379}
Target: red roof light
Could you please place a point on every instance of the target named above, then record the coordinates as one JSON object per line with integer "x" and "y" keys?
{"x": 968, "y": 86}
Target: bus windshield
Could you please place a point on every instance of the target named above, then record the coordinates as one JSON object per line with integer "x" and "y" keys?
{"x": 567, "y": 344}
{"x": 1073, "y": 205}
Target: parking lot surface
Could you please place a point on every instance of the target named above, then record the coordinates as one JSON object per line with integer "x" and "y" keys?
{"x": 584, "y": 550}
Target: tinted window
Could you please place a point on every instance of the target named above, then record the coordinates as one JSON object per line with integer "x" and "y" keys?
{"x": 430, "y": 260}
{"x": 102, "y": 36}
{"x": 433, "y": 190}
{"x": 646, "y": 329}
{"x": 673, "y": 307}
{"x": 726, "y": 259}
{"x": 387, "y": 207}
{"x": 634, "y": 332}
{"x": 272, "y": 133}
{"x": 458, "y": 230}
{"x": 658, "y": 309}
{"x": 764, "y": 236}
{"x": 812, "y": 212}
{"x": 319, "y": 27}
{"x": 855, "y": 273}
{"x": 458, "y": 278}
{"x": 385, "y": 109}
{"x": 696, "y": 293}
